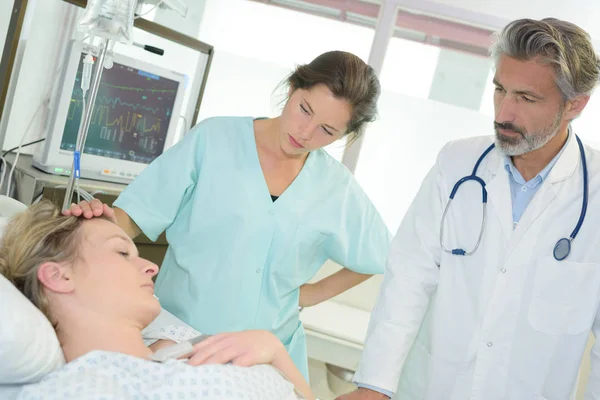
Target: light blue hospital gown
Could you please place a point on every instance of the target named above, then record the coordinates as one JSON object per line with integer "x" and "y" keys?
{"x": 102, "y": 375}
{"x": 236, "y": 259}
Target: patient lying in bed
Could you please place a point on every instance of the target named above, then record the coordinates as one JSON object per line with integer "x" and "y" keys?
{"x": 87, "y": 278}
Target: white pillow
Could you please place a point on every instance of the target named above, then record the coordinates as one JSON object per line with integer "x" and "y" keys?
{"x": 29, "y": 348}
{"x": 9, "y": 207}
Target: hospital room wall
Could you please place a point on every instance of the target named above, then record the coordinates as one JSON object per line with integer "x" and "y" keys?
{"x": 36, "y": 73}
{"x": 585, "y": 13}
{"x": 5, "y": 14}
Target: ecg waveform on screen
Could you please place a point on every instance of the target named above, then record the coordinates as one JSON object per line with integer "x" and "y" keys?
{"x": 145, "y": 142}
{"x": 118, "y": 102}
{"x": 138, "y": 90}
{"x": 131, "y": 115}
{"x": 106, "y": 115}
{"x": 114, "y": 125}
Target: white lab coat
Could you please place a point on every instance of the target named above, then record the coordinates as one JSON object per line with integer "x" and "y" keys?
{"x": 509, "y": 322}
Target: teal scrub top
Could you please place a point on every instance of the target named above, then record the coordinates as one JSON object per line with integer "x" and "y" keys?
{"x": 236, "y": 259}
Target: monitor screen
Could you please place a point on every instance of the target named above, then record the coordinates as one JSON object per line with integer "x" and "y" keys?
{"x": 131, "y": 116}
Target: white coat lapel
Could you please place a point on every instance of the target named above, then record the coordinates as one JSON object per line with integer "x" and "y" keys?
{"x": 499, "y": 197}
{"x": 563, "y": 169}
{"x": 540, "y": 202}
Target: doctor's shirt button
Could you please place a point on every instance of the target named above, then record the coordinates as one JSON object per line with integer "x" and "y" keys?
{"x": 503, "y": 270}
{"x": 490, "y": 344}
{"x": 258, "y": 270}
{"x": 270, "y": 212}
{"x": 524, "y": 189}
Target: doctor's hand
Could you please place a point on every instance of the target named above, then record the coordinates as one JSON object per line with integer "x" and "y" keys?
{"x": 244, "y": 349}
{"x": 363, "y": 394}
{"x": 91, "y": 209}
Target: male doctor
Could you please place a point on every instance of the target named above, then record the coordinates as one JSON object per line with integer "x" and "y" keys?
{"x": 507, "y": 316}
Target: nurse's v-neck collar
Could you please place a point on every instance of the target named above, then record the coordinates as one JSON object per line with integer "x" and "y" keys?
{"x": 265, "y": 194}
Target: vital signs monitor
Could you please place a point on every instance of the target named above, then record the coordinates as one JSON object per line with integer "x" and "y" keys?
{"x": 134, "y": 119}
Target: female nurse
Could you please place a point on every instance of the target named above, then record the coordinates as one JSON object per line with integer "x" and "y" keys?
{"x": 252, "y": 208}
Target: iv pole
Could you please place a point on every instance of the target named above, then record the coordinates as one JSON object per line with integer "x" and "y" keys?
{"x": 85, "y": 125}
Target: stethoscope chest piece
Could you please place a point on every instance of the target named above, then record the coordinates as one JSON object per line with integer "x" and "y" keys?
{"x": 562, "y": 249}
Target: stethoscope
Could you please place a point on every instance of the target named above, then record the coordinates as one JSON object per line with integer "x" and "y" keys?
{"x": 562, "y": 247}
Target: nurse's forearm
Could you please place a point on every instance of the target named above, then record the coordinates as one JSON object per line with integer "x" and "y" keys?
{"x": 331, "y": 286}
{"x": 126, "y": 223}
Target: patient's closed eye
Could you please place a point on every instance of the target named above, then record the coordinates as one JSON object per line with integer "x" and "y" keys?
{"x": 124, "y": 253}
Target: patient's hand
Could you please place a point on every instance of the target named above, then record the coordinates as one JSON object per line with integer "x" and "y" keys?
{"x": 239, "y": 348}
{"x": 249, "y": 348}
{"x": 91, "y": 209}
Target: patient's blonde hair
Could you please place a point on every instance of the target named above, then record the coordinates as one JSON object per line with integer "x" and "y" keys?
{"x": 40, "y": 234}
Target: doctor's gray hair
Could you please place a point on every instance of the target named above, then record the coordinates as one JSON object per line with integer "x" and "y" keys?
{"x": 562, "y": 44}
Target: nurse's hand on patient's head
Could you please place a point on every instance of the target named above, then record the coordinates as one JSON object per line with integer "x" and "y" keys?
{"x": 91, "y": 209}
{"x": 245, "y": 349}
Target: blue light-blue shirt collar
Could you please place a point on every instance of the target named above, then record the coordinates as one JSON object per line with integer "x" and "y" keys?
{"x": 516, "y": 176}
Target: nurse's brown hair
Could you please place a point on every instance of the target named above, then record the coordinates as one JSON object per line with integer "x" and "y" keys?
{"x": 349, "y": 78}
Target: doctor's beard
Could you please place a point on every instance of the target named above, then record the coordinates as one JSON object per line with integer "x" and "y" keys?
{"x": 526, "y": 142}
